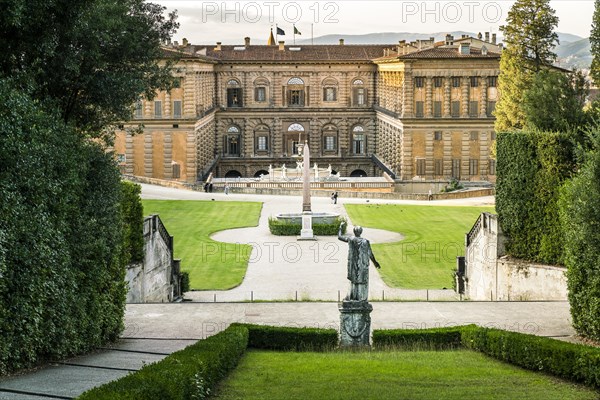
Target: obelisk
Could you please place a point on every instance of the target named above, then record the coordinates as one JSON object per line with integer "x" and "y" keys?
{"x": 306, "y": 233}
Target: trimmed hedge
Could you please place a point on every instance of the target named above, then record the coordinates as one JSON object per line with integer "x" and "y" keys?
{"x": 133, "y": 221}
{"x": 281, "y": 228}
{"x": 191, "y": 373}
{"x": 418, "y": 339}
{"x": 291, "y": 339}
{"x": 570, "y": 361}
{"x": 532, "y": 166}
{"x": 580, "y": 215}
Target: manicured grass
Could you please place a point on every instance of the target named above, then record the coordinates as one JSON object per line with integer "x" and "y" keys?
{"x": 212, "y": 265}
{"x": 434, "y": 236}
{"x": 460, "y": 375}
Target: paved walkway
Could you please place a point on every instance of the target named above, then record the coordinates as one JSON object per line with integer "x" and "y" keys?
{"x": 155, "y": 330}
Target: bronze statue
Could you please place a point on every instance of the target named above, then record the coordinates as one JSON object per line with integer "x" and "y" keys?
{"x": 359, "y": 254}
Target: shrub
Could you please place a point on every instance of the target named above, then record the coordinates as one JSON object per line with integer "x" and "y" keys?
{"x": 191, "y": 373}
{"x": 566, "y": 360}
{"x": 291, "y": 339}
{"x": 185, "y": 281}
{"x": 283, "y": 228}
{"x": 133, "y": 221}
{"x": 418, "y": 339}
{"x": 580, "y": 217}
{"x": 532, "y": 166}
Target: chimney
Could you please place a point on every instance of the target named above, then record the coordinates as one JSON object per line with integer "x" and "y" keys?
{"x": 449, "y": 40}
{"x": 218, "y": 48}
{"x": 184, "y": 42}
{"x": 176, "y": 43}
{"x": 465, "y": 48}
{"x": 341, "y": 42}
{"x": 493, "y": 38}
{"x": 247, "y": 41}
{"x": 479, "y": 36}
{"x": 487, "y": 37}
{"x": 281, "y": 45}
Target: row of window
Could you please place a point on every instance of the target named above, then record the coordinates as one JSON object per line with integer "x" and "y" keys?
{"x": 158, "y": 109}
{"x": 294, "y": 96}
{"x": 455, "y": 81}
{"x": 454, "y": 108}
{"x": 438, "y": 166}
{"x": 437, "y": 136}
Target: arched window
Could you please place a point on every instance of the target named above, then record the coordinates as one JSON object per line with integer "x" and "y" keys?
{"x": 330, "y": 89}
{"x": 358, "y": 173}
{"x": 232, "y": 145}
{"x": 359, "y": 93}
{"x": 358, "y": 140}
{"x": 330, "y": 139}
{"x": 233, "y": 174}
{"x": 295, "y": 92}
{"x": 234, "y": 93}
{"x": 295, "y": 135}
{"x": 295, "y": 128}
{"x": 260, "y": 89}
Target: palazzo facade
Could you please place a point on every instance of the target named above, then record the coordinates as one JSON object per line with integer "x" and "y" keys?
{"x": 416, "y": 111}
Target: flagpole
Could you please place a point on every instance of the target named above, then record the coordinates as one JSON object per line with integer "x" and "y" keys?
{"x": 276, "y": 32}
{"x": 294, "y": 25}
{"x": 312, "y": 36}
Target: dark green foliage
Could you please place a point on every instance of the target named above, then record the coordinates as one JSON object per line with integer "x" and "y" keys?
{"x": 191, "y": 373}
{"x": 283, "y": 228}
{"x": 62, "y": 285}
{"x": 580, "y": 217}
{"x": 185, "y": 281}
{"x": 418, "y": 339}
{"x": 595, "y": 44}
{"x": 565, "y": 360}
{"x": 531, "y": 168}
{"x": 291, "y": 339}
{"x": 554, "y": 101}
{"x": 91, "y": 58}
{"x": 133, "y": 221}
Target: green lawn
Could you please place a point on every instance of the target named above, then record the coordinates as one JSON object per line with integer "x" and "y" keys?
{"x": 434, "y": 236}
{"x": 460, "y": 375}
{"x": 212, "y": 265}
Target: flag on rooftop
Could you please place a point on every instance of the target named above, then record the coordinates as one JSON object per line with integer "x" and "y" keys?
{"x": 280, "y": 31}
{"x": 271, "y": 41}
{"x": 296, "y": 31}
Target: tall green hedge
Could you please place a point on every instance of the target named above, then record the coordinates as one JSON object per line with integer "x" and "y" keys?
{"x": 62, "y": 287}
{"x": 580, "y": 217}
{"x": 532, "y": 166}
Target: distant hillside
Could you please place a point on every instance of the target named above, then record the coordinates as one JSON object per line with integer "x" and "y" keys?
{"x": 565, "y": 38}
{"x": 575, "y": 55}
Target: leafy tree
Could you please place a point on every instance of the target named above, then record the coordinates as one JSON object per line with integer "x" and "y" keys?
{"x": 91, "y": 59}
{"x": 530, "y": 39}
{"x": 554, "y": 101}
{"x": 595, "y": 43}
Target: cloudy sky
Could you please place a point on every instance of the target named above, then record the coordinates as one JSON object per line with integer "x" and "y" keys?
{"x": 230, "y": 21}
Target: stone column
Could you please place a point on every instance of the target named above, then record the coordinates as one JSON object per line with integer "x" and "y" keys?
{"x": 447, "y": 97}
{"x": 168, "y": 155}
{"x": 465, "y": 156}
{"x": 129, "y": 153}
{"x": 148, "y": 154}
{"x": 465, "y": 97}
{"x": 447, "y": 154}
{"x": 167, "y": 105}
{"x": 429, "y": 167}
{"x": 428, "y": 97}
{"x": 483, "y": 97}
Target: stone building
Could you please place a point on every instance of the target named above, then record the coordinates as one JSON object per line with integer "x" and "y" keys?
{"x": 418, "y": 111}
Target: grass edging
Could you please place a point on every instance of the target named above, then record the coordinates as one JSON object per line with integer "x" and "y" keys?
{"x": 195, "y": 371}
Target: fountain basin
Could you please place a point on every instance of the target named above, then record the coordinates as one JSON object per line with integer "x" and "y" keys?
{"x": 317, "y": 218}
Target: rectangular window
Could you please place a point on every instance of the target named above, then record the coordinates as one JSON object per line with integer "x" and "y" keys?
{"x": 473, "y": 166}
{"x": 234, "y": 97}
{"x": 157, "y": 109}
{"x": 176, "y": 171}
{"x": 474, "y": 81}
{"x": 438, "y": 81}
{"x": 139, "y": 110}
{"x": 437, "y": 109}
{"x": 260, "y": 94}
{"x": 455, "y": 109}
{"x": 439, "y": 167}
{"x": 437, "y": 135}
{"x": 491, "y": 107}
{"x": 419, "y": 81}
{"x": 359, "y": 143}
{"x": 420, "y": 167}
{"x": 329, "y": 143}
{"x": 359, "y": 97}
{"x": 492, "y": 166}
{"x": 456, "y": 168}
{"x": 176, "y": 108}
{"x": 474, "y": 136}
{"x": 456, "y": 81}
{"x": 296, "y": 98}
{"x": 419, "y": 110}
{"x": 261, "y": 143}
{"x": 329, "y": 94}
{"x": 492, "y": 81}
{"x": 473, "y": 108}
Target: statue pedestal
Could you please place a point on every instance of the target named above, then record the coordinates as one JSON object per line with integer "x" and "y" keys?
{"x": 306, "y": 233}
{"x": 355, "y": 323}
